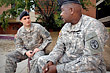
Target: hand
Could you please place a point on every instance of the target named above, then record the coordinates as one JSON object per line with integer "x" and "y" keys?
{"x": 46, "y": 67}
{"x": 36, "y": 50}
{"x": 29, "y": 53}
{"x": 51, "y": 69}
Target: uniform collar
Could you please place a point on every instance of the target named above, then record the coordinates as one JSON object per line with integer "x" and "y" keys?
{"x": 31, "y": 28}
{"x": 76, "y": 27}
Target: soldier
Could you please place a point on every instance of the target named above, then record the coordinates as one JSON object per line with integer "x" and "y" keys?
{"x": 79, "y": 46}
{"x": 31, "y": 41}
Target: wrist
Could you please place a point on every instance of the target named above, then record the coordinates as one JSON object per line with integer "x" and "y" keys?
{"x": 50, "y": 63}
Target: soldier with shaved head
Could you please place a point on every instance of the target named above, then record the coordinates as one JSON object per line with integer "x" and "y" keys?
{"x": 79, "y": 46}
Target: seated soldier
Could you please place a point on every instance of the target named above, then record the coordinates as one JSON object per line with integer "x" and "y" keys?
{"x": 79, "y": 46}
{"x": 31, "y": 41}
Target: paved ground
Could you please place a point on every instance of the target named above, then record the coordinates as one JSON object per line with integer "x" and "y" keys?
{"x": 22, "y": 67}
{"x": 8, "y": 45}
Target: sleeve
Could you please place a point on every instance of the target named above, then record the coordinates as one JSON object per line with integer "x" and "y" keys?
{"x": 57, "y": 51}
{"x": 92, "y": 59}
{"x": 19, "y": 44}
{"x": 46, "y": 38}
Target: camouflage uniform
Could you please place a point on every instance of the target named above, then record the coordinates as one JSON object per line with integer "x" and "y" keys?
{"x": 36, "y": 37}
{"x": 79, "y": 48}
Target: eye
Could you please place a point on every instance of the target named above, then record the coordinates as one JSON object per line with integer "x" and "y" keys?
{"x": 28, "y": 18}
{"x": 24, "y": 19}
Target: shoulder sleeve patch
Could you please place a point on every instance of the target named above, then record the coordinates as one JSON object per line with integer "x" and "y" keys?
{"x": 92, "y": 43}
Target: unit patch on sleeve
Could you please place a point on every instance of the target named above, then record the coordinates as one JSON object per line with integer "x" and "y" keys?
{"x": 94, "y": 44}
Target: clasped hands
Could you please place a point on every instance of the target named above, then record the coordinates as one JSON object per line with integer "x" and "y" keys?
{"x": 49, "y": 68}
{"x": 30, "y": 53}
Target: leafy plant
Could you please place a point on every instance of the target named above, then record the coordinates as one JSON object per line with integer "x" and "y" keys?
{"x": 4, "y": 20}
{"x": 86, "y": 3}
{"x": 17, "y": 6}
{"x": 48, "y": 10}
{"x": 107, "y": 3}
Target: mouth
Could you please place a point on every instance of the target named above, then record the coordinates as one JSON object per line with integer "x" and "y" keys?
{"x": 28, "y": 22}
{"x": 61, "y": 18}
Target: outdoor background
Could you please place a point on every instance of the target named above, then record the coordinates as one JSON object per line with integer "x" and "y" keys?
{"x": 47, "y": 13}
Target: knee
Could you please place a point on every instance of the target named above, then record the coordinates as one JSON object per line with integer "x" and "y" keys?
{"x": 10, "y": 55}
{"x": 42, "y": 60}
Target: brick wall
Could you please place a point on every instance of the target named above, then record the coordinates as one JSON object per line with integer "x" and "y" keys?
{"x": 3, "y": 8}
{"x": 91, "y": 10}
{"x": 12, "y": 28}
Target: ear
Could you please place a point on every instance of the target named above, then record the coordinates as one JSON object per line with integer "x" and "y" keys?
{"x": 72, "y": 10}
{"x": 21, "y": 21}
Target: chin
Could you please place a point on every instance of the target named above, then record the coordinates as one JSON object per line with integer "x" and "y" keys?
{"x": 64, "y": 21}
{"x": 28, "y": 23}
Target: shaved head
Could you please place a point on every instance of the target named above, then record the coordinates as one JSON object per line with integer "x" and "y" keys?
{"x": 73, "y": 12}
{"x": 77, "y": 7}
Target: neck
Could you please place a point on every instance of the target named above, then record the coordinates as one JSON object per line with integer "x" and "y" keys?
{"x": 76, "y": 20}
{"x": 27, "y": 27}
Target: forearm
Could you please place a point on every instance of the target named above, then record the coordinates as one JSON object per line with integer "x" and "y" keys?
{"x": 82, "y": 64}
{"x": 56, "y": 54}
{"x": 21, "y": 50}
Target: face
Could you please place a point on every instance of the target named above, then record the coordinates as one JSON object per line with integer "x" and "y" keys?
{"x": 26, "y": 21}
{"x": 66, "y": 13}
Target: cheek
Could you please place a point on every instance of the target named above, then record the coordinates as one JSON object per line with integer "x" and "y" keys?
{"x": 30, "y": 20}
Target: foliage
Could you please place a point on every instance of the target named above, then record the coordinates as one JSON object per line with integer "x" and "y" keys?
{"x": 86, "y": 3}
{"x": 107, "y": 2}
{"x": 4, "y": 20}
{"x": 48, "y": 10}
{"x": 50, "y": 14}
{"x": 17, "y": 6}
{"x": 58, "y": 20}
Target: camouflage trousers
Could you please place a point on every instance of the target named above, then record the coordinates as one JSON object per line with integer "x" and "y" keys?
{"x": 15, "y": 57}
{"x": 87, "y": 68}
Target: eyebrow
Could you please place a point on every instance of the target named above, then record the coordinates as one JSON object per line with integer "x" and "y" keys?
{"x": 24, "y": 18}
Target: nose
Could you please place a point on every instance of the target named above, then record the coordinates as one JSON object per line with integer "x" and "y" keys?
{"x": 28, "y": 19}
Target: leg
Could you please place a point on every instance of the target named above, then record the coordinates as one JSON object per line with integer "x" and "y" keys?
{"x": 41, "y": 62}
{"x": 34, "y": 60}
{"x": 11, "y": 61}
